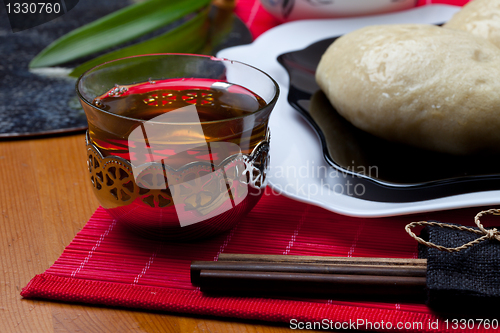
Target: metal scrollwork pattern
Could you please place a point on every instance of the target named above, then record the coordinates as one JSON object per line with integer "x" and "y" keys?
{"x": 256, "y": 165}
{"x": 201, "y": 185}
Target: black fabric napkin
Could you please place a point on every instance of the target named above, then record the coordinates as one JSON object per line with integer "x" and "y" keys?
{"x": 467, "y": 281}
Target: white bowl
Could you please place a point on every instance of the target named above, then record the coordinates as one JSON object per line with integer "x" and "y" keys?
{"x": 289, "y": 10}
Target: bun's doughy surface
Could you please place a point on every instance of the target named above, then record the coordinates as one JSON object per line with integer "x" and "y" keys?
{"x": 479, "y": 17}
{"x": 422, "y": 85}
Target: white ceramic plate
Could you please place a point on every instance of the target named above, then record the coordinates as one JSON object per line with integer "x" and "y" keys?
{"x": 298, "y": 169}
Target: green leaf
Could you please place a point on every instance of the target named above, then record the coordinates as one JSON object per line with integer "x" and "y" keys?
{"x": 190, "y": 37}
{"x": 114, "y": 29}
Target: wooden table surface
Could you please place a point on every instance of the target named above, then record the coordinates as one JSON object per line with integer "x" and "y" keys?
{"x": 45, "y": 199}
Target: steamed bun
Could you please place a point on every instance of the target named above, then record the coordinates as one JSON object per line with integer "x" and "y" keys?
{"x": 480, "y": 18}
{"x": 422, "y": 85}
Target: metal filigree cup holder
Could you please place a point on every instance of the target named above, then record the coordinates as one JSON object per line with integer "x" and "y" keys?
{"x": 200, "y": 197}
{"x": 180, "y": 191}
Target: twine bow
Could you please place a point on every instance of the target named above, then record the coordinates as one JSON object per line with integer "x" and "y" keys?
{"x": 486, "y": 233}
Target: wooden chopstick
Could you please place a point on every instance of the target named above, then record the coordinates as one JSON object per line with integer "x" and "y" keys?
{"x": 325, "y": 260}
{"x": 257, "y": 266}
{"x": 278, "y": 283}
{"x": 283, "y": 274}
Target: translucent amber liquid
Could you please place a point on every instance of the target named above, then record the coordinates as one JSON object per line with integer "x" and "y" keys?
{"x": 216, "y": 103}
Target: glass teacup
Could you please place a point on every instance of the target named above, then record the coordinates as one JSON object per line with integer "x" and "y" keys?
{"x": 177, "y": 145}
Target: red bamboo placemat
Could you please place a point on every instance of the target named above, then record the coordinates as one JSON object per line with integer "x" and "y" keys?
{"x": 105, "y": 264}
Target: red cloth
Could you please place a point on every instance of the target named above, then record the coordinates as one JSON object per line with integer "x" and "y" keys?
{"x": 107, "y": 265}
